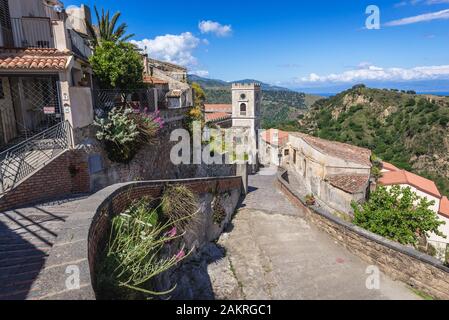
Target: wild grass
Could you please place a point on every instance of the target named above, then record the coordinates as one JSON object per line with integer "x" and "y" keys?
{"x": 179, "y": 204}
{"x": 145, "y": 241}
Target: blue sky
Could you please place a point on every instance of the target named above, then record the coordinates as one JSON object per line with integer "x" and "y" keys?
{"x": 299, "y": 44}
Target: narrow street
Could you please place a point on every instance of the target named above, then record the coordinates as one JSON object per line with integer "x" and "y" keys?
{"x": 275, "y": 254}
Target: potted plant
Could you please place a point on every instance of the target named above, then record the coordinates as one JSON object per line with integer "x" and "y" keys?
{"x": 310, "y": 200}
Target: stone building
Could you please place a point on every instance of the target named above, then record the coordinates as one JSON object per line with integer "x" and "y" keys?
{"x": 45, "y": 77}
{"x": 336, "y": 174}
{"x": 273, "y": 147}
{"x": 168, "y": 83}
{"x": 243, "y": 116}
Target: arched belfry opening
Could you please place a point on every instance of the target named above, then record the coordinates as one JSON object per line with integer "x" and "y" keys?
{"x": 243, "y": 109}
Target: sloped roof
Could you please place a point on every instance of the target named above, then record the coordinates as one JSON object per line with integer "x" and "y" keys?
{"x": 444, "y": 207}
{"x": 153, "y": 80}
{"x": 39, "y": 59}
{"x": 218, "y": 108}
{"x": 217, "y": 116}
{"x": 337, "y": 149}
{"x": 408, "y": 178}
{"x": 176, "y": 93}
{"x": 168, "y": 64}
{"x": 268, "y": 136}
{"x": 389, "y": 166}
{"x": 349, "y": 183}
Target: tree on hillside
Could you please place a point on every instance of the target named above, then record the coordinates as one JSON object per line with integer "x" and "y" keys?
{"x": 117, "y": 65}
{"x": 398, "y": 214}
{"x": 200, "y": 96}
{"x": 196, "y": 113}
{"x": 107, "y": 29}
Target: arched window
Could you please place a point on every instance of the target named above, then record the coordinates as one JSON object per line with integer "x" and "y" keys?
{"x": 243, "y": 109}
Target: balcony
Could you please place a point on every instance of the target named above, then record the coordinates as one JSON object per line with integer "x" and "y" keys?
{"x": 29, "y": 32}
{"x": 80, "y": 45}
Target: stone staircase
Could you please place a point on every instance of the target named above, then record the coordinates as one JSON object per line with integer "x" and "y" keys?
{"x": 27, "y": 236}
{"x": 24, "y": 159}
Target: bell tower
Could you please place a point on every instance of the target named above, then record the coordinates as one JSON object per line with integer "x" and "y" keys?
{"x": 246, "y": 101}
{"x": 246, "y": 106}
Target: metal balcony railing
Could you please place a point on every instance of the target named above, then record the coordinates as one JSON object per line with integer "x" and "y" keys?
{"x": 32, "y": 32}
{"x": 80, "y": 45}
{"x": 27, "y": 157}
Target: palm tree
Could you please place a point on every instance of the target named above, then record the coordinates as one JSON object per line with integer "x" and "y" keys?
{"x": 106, "y": 29}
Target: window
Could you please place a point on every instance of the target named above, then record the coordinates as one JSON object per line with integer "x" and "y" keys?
{"x": 294, "y": 156}
{"x": 286, "y": 152}
{"x": 243, "y": 96}
{"x": 243, "y": 109}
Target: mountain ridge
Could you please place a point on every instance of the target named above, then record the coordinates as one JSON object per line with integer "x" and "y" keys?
{"x": 216, "y": 83}
{"x": 409, "y": 130}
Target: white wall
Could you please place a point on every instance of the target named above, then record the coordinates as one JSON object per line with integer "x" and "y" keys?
{"x": 81, "y": 106}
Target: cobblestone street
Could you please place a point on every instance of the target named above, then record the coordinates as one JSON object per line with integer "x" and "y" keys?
{"x": 276, "y": 254}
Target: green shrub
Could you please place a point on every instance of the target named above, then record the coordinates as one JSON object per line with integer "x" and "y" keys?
{"x": 397, "y": 214}
{"x": 179, "y": 205}
{"x": 139, "y": 250}
{"x": 117, "y": 65}
{"x": 124, "y": 132}
{"x": 120, "y": 133}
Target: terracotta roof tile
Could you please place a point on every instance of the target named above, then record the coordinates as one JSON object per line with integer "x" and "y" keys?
{"x": 444, "y": 207}
{"x": 349, "y": 183}
{"x": 33, "y": 59}
{"x": 268, "y": 136}
{"x": 217, "y": 116}
{"x": 218, "y": 108}
{"x": 337, "y": 149}
{"x": 389, "y": 167}
{"x": 176, "y": 93}
{"x": 153, "y": 80}
{"x": 408, "y": 178}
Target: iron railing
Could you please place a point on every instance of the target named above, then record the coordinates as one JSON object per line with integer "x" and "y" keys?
{"x": 32, "y": 32}
{"x": 24, "y": 159}
{"x": 105, "y": 100}
{"x": 80, "y": 45}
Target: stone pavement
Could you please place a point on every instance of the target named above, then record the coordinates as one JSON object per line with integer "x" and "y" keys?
{"x": 27, "y": 236}
{"x": 275, "y": 254}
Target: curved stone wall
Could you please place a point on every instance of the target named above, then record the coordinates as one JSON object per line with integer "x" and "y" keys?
{"x": 76, "y": 252}
{"x": 406, "y": 264}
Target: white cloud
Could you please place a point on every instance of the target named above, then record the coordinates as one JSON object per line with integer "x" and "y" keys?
{"x": 215, "y": 28}
{"x": 374, "y": 73}
{"x": 200, "y": 73}
{"x": 439, "y": 15}
{"x": 172, "y": 48}
{"x": 417, "y": 2}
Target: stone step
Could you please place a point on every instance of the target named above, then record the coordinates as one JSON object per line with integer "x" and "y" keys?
{"x": 22, "y": 253}
{"x": 22, "y": 245}
{"x": 17, "y": 261}
{"x": 15, "y": 292}
{"x": 23, "y": 268}
{"x": 13, "y": 280}
{"x": 37, "y": 239}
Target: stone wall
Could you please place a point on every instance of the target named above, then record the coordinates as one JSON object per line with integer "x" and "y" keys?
{"x": 151, "y": 162}
{"x": 402, "y": 263}
{"x": 85, "y": 234}
{"x": 64, "y": 175}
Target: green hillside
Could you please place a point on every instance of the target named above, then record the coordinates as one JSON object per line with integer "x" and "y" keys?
{"x": 408, "y": 130}
{"x": 280, "y": 109}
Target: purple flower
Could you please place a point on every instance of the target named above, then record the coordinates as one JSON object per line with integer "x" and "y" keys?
{"x": 181, "y": 254}
{"x": 172, "y": 233}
